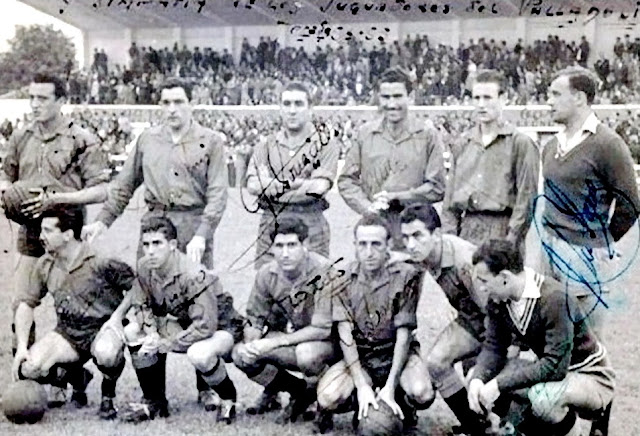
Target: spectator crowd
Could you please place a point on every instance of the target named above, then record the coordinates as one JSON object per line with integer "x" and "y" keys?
{"x": 346, "y": 75}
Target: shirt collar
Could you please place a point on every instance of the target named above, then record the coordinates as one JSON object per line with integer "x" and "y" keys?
{"x": 85, "y": 252}
{"x": 282, "y": 137}
{"x": 590, "y": 125}
{"x": 60, "y": 128}
{"x": 532, "y": 284}
{"x": 193, "y": 134}
{"x": 176, "y": 262}
{"x": 412, "y": 124}
{"x": 447, "y": 258}
{"x": 504, "y": 128}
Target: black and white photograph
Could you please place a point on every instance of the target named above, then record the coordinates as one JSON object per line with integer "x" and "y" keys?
{"x": 320, "y": 217}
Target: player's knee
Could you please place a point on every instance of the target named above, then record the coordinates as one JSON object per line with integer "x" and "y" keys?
{"x": 132, "y": 332}
{"x": 544, "y": 406}
{"x": 330, "y": 396}
{"x": 420, "y": 391}
{"x": 199, "y": 357}
{"x": 239, "y": 361}
{"x": 334, "y": 388}
{"x": 438, "y": 362}
{"x": 308, "y": 359}
{"x": 107, "y": 355}
{"x": 32, "y": 371}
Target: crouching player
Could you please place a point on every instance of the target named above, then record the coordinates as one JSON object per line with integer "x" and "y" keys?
{"x": 571, "y": 374}
{"x": 376, "y": 313}
{"x": 289, "y": 323}
{"x": 180, "y": 308}
{"x": 89, "y": 297}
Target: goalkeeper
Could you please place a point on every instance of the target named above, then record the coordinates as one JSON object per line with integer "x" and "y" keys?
{"x": 89, "y": 297}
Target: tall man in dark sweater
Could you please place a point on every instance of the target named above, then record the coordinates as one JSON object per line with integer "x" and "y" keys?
{"x": 570, "y": 374}
{"x": 587, "y": 170}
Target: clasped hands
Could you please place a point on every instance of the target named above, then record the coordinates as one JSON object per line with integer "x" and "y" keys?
{"x": 482, "y": 396}
{"x": 252, "y": 351}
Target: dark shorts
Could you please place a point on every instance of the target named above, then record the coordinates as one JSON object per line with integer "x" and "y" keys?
{"x": 377, "y": 359}
{"x": 29, "y": 240}
{"x": 229, "y": 319}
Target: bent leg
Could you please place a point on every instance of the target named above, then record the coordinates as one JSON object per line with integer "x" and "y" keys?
{"x": 416, "y": 383}
{"x": 107, "y": 350}
{"x": 52, "y": 349}
{"x": 312, "y": 357}
{"x": 335, "y": 387}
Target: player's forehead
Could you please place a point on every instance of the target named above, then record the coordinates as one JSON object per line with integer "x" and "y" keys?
{"x": 560, "y": 85}
{"x": 150, "y": 237}
{"x": 286, "y": 238}
{"x": 42, "y": 90}
{"x": 371, "y": 233}
{"x": 293, "y": 96}
{"x": 415, "y": 226}
{"x": 393, "y": 88}
{"x": 173, "y": 94}
{"x": 485, "y": 89}
{"x": 49, "y": 224}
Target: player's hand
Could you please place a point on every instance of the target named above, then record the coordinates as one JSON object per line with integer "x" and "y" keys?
{"x": 263, "y": 346}
{"x": 247, "y": 354}
{"x": 366, "y": 399}
{"x": 489, "y": 394}
{"x": 195, "y": 248}
{"x": 22, "y": 354}
{"x": 34, "y": 207}
{"x": 164, "y": 346}
{"x": 150, "y": 344}
{"x": 387, "y": 394}
{"x": 92, "y": 231}
{"x": 473, "y": 395}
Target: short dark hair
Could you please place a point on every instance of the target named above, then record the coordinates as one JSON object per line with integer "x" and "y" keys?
{"x": 499, "y": 255}
{"x": 175, "y": 82}
{"x": 580, "y": 80}
{"x": 373, "y": 220}
{"x": 425, "y": 213}
{"x": 59, "y": 86}
{"x": 491, "y": 76}
{"x": 394, "y": 75}
{"x": 69, "y": 218}
{"x": 296, "y": 85}
{"x": 290, "y": 226}
{"x": 160, "y": 224}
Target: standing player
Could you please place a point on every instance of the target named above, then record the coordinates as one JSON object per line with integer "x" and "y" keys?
{"x": 291, "y": 173}
{"x": 571, "y": 374}
{"x": 395, "y": 160}
{"x": 494, "y": 174}
{"x": 376, "y": 311}
{"x": 448, "y": 259}
{"x": 183, "y": 170}
{"x": 180, "y": 308}
{"x": 289, "y": 322}
{"x": 51, "y": 153}
{"x": 587, "y": 168}
{"x": 88, "y": 294}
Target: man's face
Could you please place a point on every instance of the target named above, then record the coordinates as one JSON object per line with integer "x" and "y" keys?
{"x": 288, "y": 251}
{"x": 157, "y": 249}
{"x": 487, "y": 101}
{"x": 394, "y": 101}
{"x": 176, "y": 107}
{"x": 295, "y": 110}
{"x": 371, "y": 247}
{"x": 562, "y": 100}
{"x": 53, "y": 239}
{"x": 43, "y": 102}
{"x": 418, "y": 240}
{"x": 486, "y": 283}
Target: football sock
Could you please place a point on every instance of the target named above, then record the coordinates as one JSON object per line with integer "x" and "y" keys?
{"x": 284, "y": 381}
{"x": 152, "y": 380}
{"x": 459, "y": 405}
{"x": 226, "y": 389}
{"x": 110, "y": 378}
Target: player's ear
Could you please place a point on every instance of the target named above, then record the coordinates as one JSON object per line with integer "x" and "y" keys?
{"x": 506, "y": 276}
{"x": 173, "y": 244}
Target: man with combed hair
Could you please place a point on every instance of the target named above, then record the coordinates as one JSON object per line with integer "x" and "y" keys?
{"x": 448, "y": 259}
{"x": 89, "y": 299}
{"x": 494, "y": 172}
{"x": 289, "y": 322}
{"x": 395, "y": 160}
{"x": 291, "y": 172}
{"x": 50, "y": 153}
{"x": 181, "y": 308}
{"x": 587, "y": 170}
{"x": 375, "y": 311}
{"x": 570, "y": 375}
{"x": 182, "y": 166}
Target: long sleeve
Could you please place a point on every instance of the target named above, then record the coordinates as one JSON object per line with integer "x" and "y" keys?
{"x": 350, "y": 182}
{"x": 432, "y": 190}
{"x": 619, "y": 173}
{"x": 553, "y": 364}
{"x": 122, "y": 188}
{"x": 217, "y": 182}
{"x": 527, "y": 168}
{"x": 493, "y": 356}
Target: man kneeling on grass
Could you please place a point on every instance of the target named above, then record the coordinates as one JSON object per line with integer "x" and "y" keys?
{"x": 89, "y": 297}
{"x": 571, "y": 375}
{"x": 180, "y": 308}
{"x": 289, "y": 323}
{"x": 376, "y": 313}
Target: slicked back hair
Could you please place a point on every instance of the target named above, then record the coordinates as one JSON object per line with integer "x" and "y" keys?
{"x": 290, "y": 226}
{"x": 159, "y": 224}
{"x": 499, "y": 255}
{"x": 59, "y": 86}
{"x": 580, "y": 80}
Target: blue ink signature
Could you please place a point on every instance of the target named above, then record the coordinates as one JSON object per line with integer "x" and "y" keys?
{"x": 596, "y": 225}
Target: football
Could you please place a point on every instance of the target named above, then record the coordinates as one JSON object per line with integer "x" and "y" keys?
{"x": 381, "y": 422}
{"x": 24, "y": 401}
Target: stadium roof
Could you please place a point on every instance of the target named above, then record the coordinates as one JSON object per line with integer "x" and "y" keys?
{"x": 118, "y": 14}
